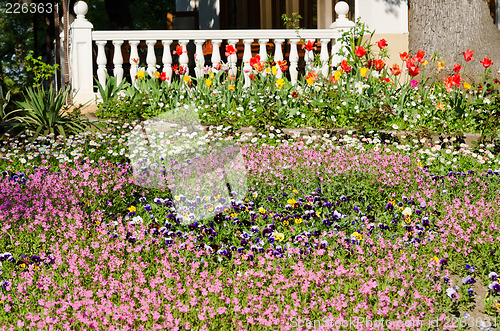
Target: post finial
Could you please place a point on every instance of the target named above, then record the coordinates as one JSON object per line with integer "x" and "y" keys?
{"x": 81, "y": 8}
{"x": 341, "y": 9}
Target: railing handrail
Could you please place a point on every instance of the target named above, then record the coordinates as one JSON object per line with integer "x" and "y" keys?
{"x": 310, "y": 34}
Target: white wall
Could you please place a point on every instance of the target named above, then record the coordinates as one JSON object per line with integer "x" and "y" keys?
{"x": 383, "y": 16}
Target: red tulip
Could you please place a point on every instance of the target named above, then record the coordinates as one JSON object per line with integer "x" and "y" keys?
{"x": 468, "y": 55}
{"x": 413, "y": 71}
{"x": 379, "y": 64}
{"x": 420, "y": 56}
{"x": 178, "y": 50}
{"x": 360, "y": 51}
{"x": 230, "y": 50}
{"x": 457, "y": 80}
{"x": 457, "y": 68}
{"x": 404, "y": 56}
{"x": 486, "y": 62}
{"x": 382, "y": 43}
{"x": 395, "y": 69}
{"x": 345, "y": 66}
{"x": 309, "y": 46}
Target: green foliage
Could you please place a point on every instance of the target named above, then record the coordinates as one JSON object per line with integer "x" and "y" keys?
{"x": 41, "y": 70}
{"x": 110, "y": 91}
{"x": 44, "y": 112}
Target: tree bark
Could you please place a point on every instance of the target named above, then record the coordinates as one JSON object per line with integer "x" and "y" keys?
{"x": 450, "y": 27}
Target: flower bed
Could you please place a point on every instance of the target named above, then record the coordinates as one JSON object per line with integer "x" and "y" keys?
{"x": 331, "y": 230}
{"x": 362, "y": 92}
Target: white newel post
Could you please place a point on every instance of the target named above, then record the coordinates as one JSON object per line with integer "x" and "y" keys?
{"x": 81, "y": 67}
{"x": 341, "y": 24}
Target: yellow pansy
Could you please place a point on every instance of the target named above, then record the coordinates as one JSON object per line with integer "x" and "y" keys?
{"x": 298, "y": 220}
{"x": 295, "y": 191}
{"x": 208, "y": 82}
{"x": 22, "y": 266}
{"x": 279, "y": 236}
{"x": 291, "y": 201}
{"x": 177, "y": 198}
{"x": 357, "y": 235}
{"x": 285, "y": 223}
{"x": 262, "y": 210}
{"x": 363, "y": 71}
{"x": 131, "y": 209}
{"x": 233, "y": 214}
{"x": 436, "y": 259}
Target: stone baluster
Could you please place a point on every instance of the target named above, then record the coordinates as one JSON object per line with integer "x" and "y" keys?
{"x": 324, "y": 57}
{"x": 167, "y": 60}
{"x": 294, "y": 60}
{"x": 278, "y": 55}
{"x": 233, "y": 58}
{"x": 247, "y": 55}
{"x": 216, "y": 52}
{"x": 199, "y": 58}
{"x": 184, "y": 58}
{"x": 101, "y": 62}
{"x": 151, "y": 57}
{"x": 118, "y": 60}
{"x": 134, "y": 59}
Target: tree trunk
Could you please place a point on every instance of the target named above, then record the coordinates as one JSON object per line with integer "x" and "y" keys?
{"x": 450, "y": 27}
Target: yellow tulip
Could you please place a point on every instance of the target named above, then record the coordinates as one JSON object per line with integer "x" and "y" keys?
{"x": 467, "y": 86}
{"x": 337, "y": 75}
{"x": 187, "y": 79}
{"x": 363, "y": 71}
{"x": 275, "y": 70}
{"x": 140, "y": 74}
{"x": 231, "y": 87}
{"x": 310, "y": 81}
{"x": 157, "y": 75}
{"x": 208, "y": 82}
{"x": 280, "y": 82}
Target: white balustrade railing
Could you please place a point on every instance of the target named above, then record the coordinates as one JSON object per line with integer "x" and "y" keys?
{"x": 82, "y": 39}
